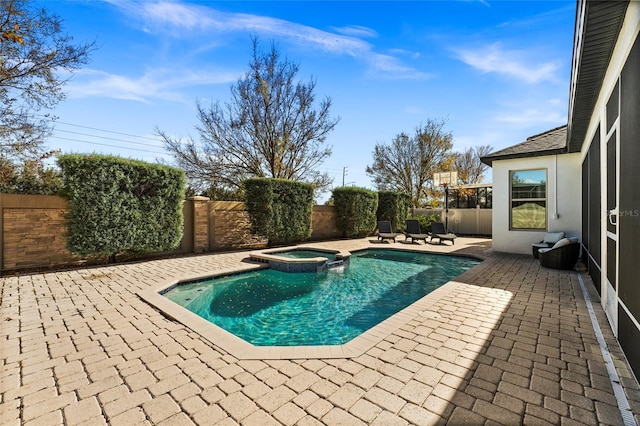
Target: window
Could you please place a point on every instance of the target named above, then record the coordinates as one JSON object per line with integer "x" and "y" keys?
{"x": 529, "y": 199}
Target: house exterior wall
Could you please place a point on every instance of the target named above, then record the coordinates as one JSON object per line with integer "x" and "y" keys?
{"x": 564, "y": 179}
{"x": 615, "y": 267}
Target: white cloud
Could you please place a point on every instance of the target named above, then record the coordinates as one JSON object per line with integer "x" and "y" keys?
{"x": 539, "y": 19}
{"x": 356, "y": 31}
{"x": 482, "y": 2}
{"x": 391, "y": 67}
{"x": 168, "y": 15}
{"x": 533, "y": 116}
{"x": 181, "y": 20}
{"x": 403, "y": 52}
{"x": 513, "y": 63}
{"x": 159, "y": 84}
{"x": 176, "y": 15}
{"x": 513, "y": 123}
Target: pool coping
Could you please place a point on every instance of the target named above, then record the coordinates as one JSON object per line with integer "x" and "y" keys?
{"x": 244, "y": 350}
{"x": 271, "y": 254}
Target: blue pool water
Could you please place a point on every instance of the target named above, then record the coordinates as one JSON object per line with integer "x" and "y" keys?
{"x": 273, "y": 308}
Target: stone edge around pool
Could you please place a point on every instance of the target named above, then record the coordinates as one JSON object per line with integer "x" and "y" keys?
{"x": 244, "y": 350}
{"x": 271, "y": 255}
{"x": 292, "y": 264}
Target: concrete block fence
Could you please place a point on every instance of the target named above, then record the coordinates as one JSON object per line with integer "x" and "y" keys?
{"x": 34, "y": 228}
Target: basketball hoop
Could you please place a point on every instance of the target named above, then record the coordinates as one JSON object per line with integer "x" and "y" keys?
{"x": 447, "y": 180}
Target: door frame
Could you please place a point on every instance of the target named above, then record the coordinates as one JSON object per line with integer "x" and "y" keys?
{"x": 609, "y": 294}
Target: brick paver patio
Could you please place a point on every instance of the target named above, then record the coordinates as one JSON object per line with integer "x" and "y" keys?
{"x": 511, "y": 343}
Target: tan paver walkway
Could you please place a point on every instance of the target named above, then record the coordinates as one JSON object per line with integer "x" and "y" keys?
{"x": 512, "y": 343}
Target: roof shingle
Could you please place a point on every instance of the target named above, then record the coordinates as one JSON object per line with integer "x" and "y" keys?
{"x": 552, "y": 141}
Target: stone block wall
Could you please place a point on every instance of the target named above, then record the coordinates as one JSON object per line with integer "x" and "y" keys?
{"x": 323, "y": 223}
{"x": 231, "y": 227}
{"x": 34, "y": 232}
{"x": 34, "y": 229}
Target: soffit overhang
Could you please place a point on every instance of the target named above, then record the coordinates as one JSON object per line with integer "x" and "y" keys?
{"x": 597, "y": 28}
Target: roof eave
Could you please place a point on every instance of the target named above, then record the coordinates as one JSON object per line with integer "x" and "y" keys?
{"x": 597, "y": 27}
{"x": 488, "y": 160}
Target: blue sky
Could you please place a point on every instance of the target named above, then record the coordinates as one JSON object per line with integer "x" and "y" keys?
{"x": 498, "y": 71}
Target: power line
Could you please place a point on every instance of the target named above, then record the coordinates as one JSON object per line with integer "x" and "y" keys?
{"x": 98, "y": 136}
{"x": 112, "y": 146}
{"x": 108, "y": 138}
{"x": 108, "y": 131}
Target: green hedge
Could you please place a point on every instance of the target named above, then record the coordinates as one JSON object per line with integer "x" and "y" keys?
{"x": 120, "y": 205}
{"x": 426, "y": 221}
{"x": 355, "y": 210}
{"x": 394, "y": 207}
{"x": 280, "y": 209}
{"x": 31, "y": 177}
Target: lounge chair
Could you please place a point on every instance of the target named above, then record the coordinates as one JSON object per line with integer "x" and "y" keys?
{"x": 438, "y": 231}
{"x": 550, "y": 238}
{"x": 414, "y": 232}
{"x": 385, "y": 232}
{"x": 563, "y": 255}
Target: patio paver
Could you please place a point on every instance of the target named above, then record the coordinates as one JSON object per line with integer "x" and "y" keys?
{"x": 509, "y": 343}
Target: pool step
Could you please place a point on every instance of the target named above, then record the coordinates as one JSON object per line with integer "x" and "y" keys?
{"x": 335, "y": 263}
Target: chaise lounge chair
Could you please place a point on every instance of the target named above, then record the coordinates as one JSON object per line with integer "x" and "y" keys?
{"x": 563, "y": 255}
{"x": 438, "y": 231}
{"x": 414, "y": 232}
{"x": 385, "y": 232}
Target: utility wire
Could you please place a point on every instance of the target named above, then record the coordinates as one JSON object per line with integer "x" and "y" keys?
{"x": 107, "y": 131}
{"x": 91, "y": 135}
{"x": 108, "y": 138}
{"x": 112, "y": 146}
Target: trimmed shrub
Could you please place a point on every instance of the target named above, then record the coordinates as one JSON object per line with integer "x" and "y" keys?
{"x": 394, "y": 207}
{"x": 426, "y": 221}
{"x": 30, "y": 177}
{"x": 279, "y": 209}
{"x": 120, "y": 205}
{"x": 355, "y": 210}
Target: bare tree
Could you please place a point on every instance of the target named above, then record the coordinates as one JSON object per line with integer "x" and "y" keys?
{"x": 33, "y": 52}
{"x": 408, "y": 163}
{"x": 270, "y": 128}
{"x": 467, "y": 163}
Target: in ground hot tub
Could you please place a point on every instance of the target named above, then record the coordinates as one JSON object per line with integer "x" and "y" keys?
{"x": 302, "y": 259}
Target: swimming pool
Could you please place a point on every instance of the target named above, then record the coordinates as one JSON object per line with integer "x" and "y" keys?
{"x": 273, "y": 308}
